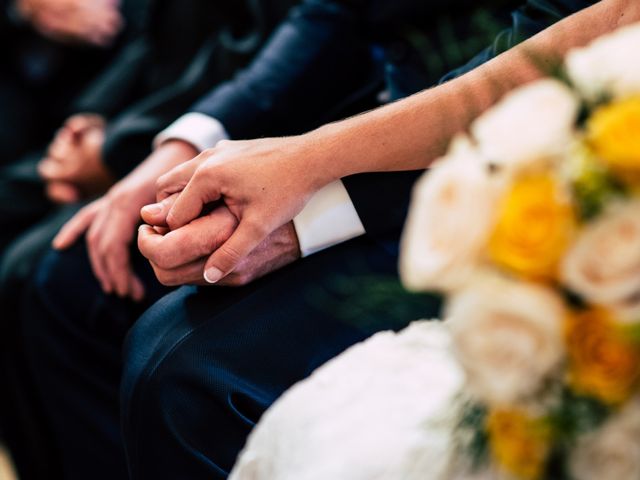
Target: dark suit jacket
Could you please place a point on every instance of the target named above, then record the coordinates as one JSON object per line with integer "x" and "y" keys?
{"x": 187, "y": 48}
{"x": 326, "y": 51}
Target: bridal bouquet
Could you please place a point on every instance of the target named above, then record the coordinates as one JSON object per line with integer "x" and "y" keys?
{"x": 531, "y": 227}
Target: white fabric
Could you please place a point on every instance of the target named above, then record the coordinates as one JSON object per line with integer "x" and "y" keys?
{"x": 379, "y": 411}
{"x": 327, "y": 220}
{"x": 198, "y": 129}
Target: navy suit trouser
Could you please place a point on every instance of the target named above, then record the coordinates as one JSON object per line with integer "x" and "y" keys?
{"x": 199, "y": 367}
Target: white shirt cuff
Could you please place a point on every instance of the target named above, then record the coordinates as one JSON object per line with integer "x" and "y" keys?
{"x": 327, "y": 220}
{"x": 198, "y": 129}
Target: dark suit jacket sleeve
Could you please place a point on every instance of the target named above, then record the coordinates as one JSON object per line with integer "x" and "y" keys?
{"x": 315, "y": 59}
{"x": 118, "y": 84}
{"x": 382, "y": 200}
{"x": 130, "y": 134}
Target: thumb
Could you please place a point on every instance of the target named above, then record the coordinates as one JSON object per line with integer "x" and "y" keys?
{"x": 63, "y": 192}
{"x": 176, "y": 179}
{"x": 50, "y": 169}
{"x": 225, "y": 259}
{"x": 156, "y": 213}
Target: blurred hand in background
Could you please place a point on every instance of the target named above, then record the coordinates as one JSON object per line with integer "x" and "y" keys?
{"x": 109, "y": 223}
{"x": 73, "y": 167}
{"x": 93, "y": 22}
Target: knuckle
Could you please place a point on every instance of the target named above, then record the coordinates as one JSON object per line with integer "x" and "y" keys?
{"x": 160, "y": 182}
{"x": 257, "y": 227}
{"x": 118, "y": 259}
{"x": 93, "y": 238}
{"x": 163, "y": 260}
{"x": 104, "y": 251}
{"x": 212, "y": 151}
{"x": 203, "y": 170}
{"x": 230, "y": 254}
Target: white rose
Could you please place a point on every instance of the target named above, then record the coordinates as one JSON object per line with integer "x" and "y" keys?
{"x": 608, "y": 66}
{"x": 613, "y": 451}
{"x": 604, "y": 264}
{"x": 508, "y": 338}
{"x": 530, "y": 125}
{"x": 452, "y": 213}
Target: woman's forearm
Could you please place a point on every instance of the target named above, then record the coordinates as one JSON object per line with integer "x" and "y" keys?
{"x": 411, "y": 133}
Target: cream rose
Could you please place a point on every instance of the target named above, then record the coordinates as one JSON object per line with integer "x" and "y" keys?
{"x": 531, "y": 125}
{"x": 613, "y": 451}
{"x": 604, "y": 264}
{"x": 508, "y": 337}
{"x": 452, "y": 213}
{"x": 608, "y": 66}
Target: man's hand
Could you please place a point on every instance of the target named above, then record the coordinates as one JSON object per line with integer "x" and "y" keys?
{"x": 264, "y": 183}
{"x": 110, "y": 222}
{"x": 73, "y": 167}
{"x": 179, "y": 257}
{"x": 95, "y": 22}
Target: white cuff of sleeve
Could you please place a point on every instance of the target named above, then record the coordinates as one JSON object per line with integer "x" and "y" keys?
{"x": 198, "y": 129}
{"x": 327, "y": 220}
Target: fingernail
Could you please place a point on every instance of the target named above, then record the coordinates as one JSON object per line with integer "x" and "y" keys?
{"x": 213, "y": 275}
{"x": 153, "y": 209}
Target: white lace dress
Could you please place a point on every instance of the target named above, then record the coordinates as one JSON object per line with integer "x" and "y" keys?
{"x": 378, "y": 411}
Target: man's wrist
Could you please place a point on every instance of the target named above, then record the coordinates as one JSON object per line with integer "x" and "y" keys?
{"x": 328, "y": 219}
{"x": 140, "y": 185}
{"x": 180, "y": 148}
{"x": 198, "y": 129}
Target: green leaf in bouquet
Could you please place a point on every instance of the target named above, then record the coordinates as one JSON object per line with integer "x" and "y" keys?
{"x": 632, "y": 333}
{"x": 593, "y": 184}
{"x": 373, "y": 302}
{"x": 576, "y": 415}
{"x": 471, "y": 437}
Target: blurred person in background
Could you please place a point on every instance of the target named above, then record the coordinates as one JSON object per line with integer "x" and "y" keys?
{"x": 183, "y": 50}
{"x": 51, "y": 49}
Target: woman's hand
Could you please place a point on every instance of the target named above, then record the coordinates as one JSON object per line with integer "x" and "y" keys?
{"x": 264, "y": 183}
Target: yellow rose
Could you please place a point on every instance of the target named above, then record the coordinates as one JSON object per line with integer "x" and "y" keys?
{"x": 519, "y": 444}
{"x": 613, "y": 131}
{"x": 603, "y": 362}
{"x": 534, "y": 228}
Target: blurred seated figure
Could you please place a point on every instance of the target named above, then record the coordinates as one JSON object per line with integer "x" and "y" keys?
{"x": 72, "y": 166}
{"x": 152, "y": 80}
{"x": 51, "y": 49}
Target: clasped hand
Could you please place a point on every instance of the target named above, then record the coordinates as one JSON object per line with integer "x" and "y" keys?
{"x": 225, "y": 217}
